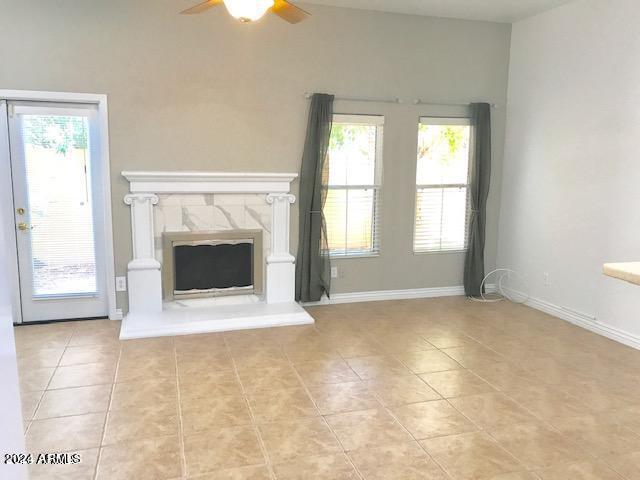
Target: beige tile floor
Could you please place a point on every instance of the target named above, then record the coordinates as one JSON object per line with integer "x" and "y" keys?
{"x": 420, "y": 389}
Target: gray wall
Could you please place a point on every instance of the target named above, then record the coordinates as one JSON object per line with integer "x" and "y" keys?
{"x": 570, "y": 192}
{"x": 205, "y": 93}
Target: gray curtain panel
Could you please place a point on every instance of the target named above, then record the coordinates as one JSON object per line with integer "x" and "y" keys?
{"x": 313, "y": 267}
{"x": 480, "y": 179}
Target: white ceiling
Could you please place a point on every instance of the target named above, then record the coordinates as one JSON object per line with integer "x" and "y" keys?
{"x": 491, "y": 10}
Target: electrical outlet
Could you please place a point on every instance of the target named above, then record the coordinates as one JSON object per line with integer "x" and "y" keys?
{"x": 546, "y": 279}
{"x": 121, "y": 284}
{"x": 334, "y": 272}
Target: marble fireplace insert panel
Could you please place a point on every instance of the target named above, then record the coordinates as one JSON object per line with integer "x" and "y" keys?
{"x": 211, "y": 212}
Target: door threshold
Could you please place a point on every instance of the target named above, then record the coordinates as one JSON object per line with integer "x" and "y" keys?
{"x": 43, "y": 322}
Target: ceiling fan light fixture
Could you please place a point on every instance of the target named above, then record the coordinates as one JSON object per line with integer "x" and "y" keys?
{"x": 248, "y": 10}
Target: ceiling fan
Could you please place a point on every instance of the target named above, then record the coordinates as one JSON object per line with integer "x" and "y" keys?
{"x": 251, "y": 10}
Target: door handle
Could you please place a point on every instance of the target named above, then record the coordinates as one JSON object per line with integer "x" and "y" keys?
{"x": 23, "y": 227}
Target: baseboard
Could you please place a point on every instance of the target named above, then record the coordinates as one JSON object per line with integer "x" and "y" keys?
{"x": 585, "y": 321}
{"x": 381, "y": 295}
{"x": 576, "y": 318}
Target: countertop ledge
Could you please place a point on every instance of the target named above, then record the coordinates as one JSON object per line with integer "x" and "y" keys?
{"x": 629, "y": 271}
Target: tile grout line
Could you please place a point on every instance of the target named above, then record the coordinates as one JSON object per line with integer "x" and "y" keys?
{"x": 64, "y": 349}
{"x": 507, "y": 358}
{"x": 615, "y": 469}
{"x": 500, "y": 391}
{"x": 183, "y": 455}
{"x": 324, "y": 420}
{"x": 292, "y": 365}
{"x": 390, "y": 354}
{"x": 106, "y": 417}
{"x": 482, "y": 429}
{"x": 35, "y": 411}
{"x": 383, "y": 353}
{"x": 46, "y": 388}
{"x": 479, "y": 427}
{"x": 344, "y": 450}
{"x": 418, "y": 441}
{"x": 474, "y": 423}
{"x": 254, "y": 424}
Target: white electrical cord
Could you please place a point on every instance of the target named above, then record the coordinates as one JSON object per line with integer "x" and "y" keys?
{"x": 500, "y": 289}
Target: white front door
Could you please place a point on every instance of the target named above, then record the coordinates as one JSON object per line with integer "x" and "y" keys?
{"x": 56, "y": 199}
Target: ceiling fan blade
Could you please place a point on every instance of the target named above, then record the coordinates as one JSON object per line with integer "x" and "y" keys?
{"x": 289, "y": 12}
{"x": 201, "y": 7}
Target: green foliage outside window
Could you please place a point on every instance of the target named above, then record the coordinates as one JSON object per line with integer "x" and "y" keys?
{"x": 342, "y": 134}
{"x": 55, "y": 132}
{"x": 434, "y": 137}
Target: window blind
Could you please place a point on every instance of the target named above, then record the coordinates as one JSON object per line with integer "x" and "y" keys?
{"x": 352, "y": 216}
{"x": 441, "y": 211}
{"x": 57, "y": 158}
{"x": 353, "y": 190}
{"x": 441, "y": 218}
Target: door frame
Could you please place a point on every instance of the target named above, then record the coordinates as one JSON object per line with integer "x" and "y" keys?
{"x": 6, "y": 199}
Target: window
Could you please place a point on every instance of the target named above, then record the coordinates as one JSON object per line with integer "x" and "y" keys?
{"x": 353, "y": 185}
{"x": 442, "y": 185}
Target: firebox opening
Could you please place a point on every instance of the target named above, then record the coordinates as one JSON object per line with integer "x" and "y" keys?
{"x": 206, "y": 264}
{"x": 210, "y": 267}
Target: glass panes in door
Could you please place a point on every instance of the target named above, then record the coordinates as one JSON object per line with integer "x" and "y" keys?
{"x": 57, "y": 166}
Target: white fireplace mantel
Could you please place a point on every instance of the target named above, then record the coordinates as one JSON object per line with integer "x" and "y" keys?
{"x": 208, "y": 182}
{"x": 148, "y": 315}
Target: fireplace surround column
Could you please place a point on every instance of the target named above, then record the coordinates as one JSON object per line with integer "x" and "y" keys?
{"x": 144, "y": 278}
{"x": 280, "y": 262}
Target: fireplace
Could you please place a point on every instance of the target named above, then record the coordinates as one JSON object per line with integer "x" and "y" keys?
{"x": 210, "y": 264}
{"x": 210, "y": 214}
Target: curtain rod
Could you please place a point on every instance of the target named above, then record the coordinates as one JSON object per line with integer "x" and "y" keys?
{"x": 399, "y": 101}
